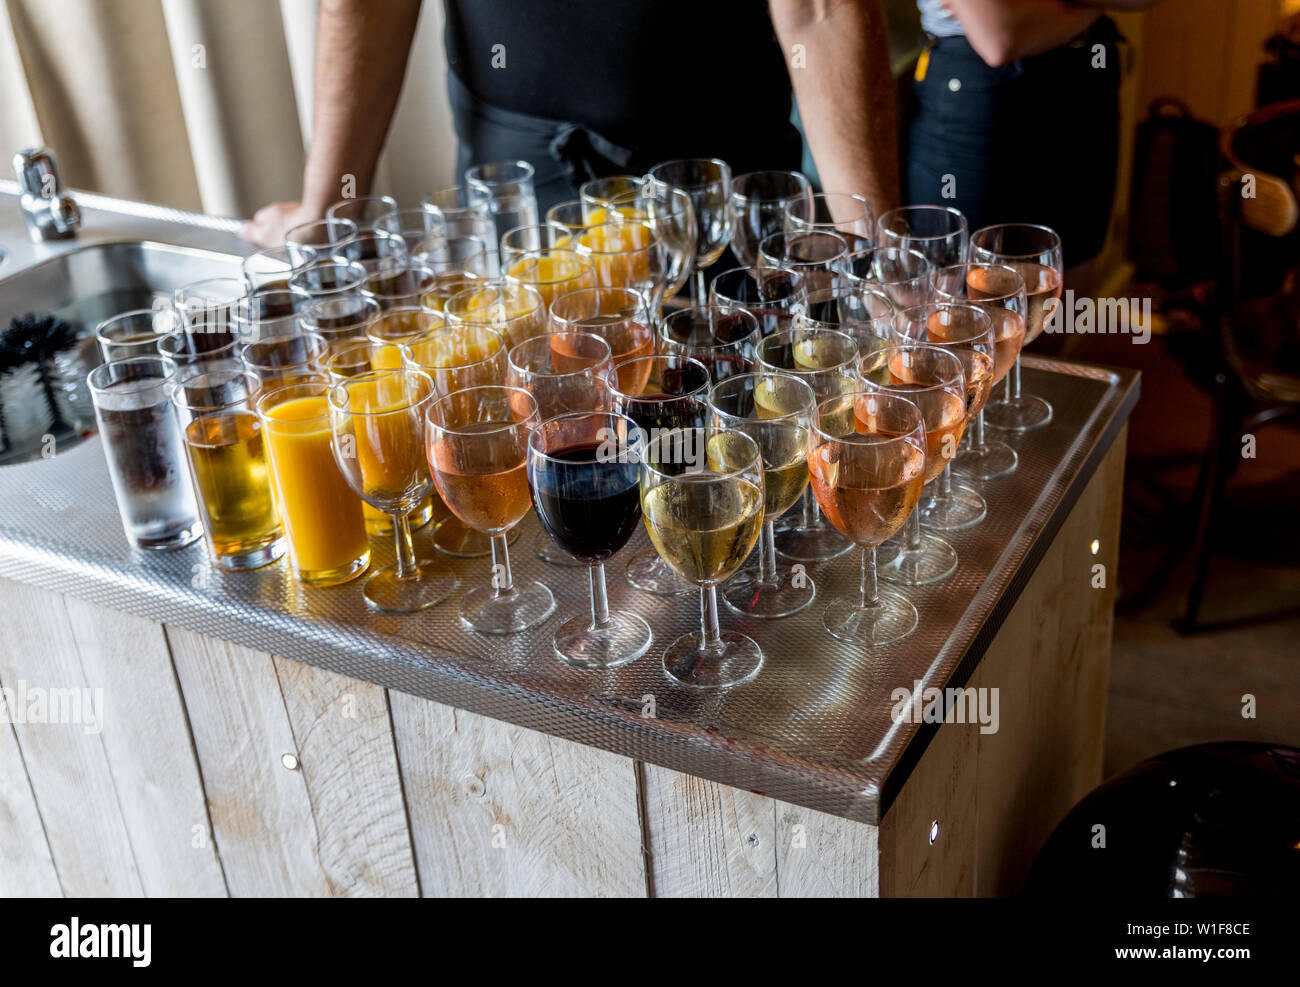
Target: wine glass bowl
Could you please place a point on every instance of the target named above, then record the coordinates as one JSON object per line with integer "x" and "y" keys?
{"x": 721, "y": 337}
{"x": 708, "y": 183}
{"x": 847, "y": 214}
{"x": 759, "y": 202}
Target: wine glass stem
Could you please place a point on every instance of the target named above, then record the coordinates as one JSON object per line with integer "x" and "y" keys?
{"x": 914, "y": 532}
{"x": 767, "y": 553}
{"x": 1013, "y": 383}
{"x": 502, "y": 581}
{"x": 978, "y": 443}
{"x": 405, "y": 548}
{"x": 945, "y": 482}
{"x": 810, "y": 509}
{"x": 868, "y": 588}
{"x": 599, "y": 599}
{"x": 710, "y": 632}
{"x": 697, "y": 286}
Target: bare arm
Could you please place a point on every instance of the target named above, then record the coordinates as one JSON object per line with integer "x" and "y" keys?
{"x": 1002, "y": 31}
{"x": 361, "y": 52}
{"x": 845, "y": 92}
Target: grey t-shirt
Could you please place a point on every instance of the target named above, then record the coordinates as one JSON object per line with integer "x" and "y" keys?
{"x": 936, "y": 20}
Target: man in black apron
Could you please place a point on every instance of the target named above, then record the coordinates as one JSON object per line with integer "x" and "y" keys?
{"x": 585, "y": 88}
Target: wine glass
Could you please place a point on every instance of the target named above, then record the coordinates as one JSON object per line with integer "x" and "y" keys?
{"x": 1035, "y": 253}
{"x": 514, "y": 310}
{"x": 552, "y": 272}
{"x": 845, "y": 213}
{"x": 402, "y": 284}
{"x": 933, "y": 379}
{"x": 708, "y": 183}
{"x": 759, "y": 202}
{"x": 477, "y": 443}
{"x": 866, "y": 469}
{"x": 393, "y": 329}
{"x": 377, "y": 420}
{"x": 659, "y": 393}
{"x": 671, "y": 215}
{"x": 565, "y": 372}
{"x": 597, "y": 195}
{"x": 584, "y": 473}
{"x": 626, "y": 254}
{"x": 772, "y": 296}
{"x": 999, "y": 291}
{"x": 826, "y": 360}
{"x": 861, "y": 311}
{"x": 781, "y": 428}
{"x": 702, "y": 498}
{"x": 721, "y": 337}
{"x": 902, "y": 273}
{"x": 966, "y": 331}
{"x": 309, "y": 242}
{"x": 815, "y": 255}
{"x": 619, "y": 316}
{"x": 938, "y": 232}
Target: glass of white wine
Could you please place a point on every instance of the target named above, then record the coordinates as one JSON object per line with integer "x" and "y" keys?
{"x": 702, "y": 499}
{"x": 781, "y": 426}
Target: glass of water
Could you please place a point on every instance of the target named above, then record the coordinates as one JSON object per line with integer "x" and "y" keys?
{"x": 507, "y": 188}
{"x": 145, "y": 452}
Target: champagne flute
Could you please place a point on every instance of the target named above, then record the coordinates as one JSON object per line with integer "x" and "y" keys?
{"x": 1034, "y": 252}
{"x": 721, "y": 337}
{"x": 477, "y": 443}
{"x": 702, "y": 499}
{"x": 514, "y": 310}
{"x": 708, "y": 183}
{"x": 772, "y": 296}
{"x": 619, "y": 316}
{"x": 377, "y": 420}
{"x": 844, "y": 213}
{"x": 583, "y": 470}
{"x": 759, "y": 202}
{"x": 671, "y": 215}
{"x": 659, "y": 393}
{"x": 999, "y": 291}
{"x": 781, "y": 428}
{"x": 565, "y": 372}
{"x": 966, "y": 331}
{"x": 826, "y": 360}
{"x": 932, "y": 378}
{"x": 866, "y": 469}
{"x": 938, "y": 232}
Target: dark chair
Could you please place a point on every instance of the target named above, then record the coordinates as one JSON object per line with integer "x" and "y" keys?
{"x": 1257, "y": 308}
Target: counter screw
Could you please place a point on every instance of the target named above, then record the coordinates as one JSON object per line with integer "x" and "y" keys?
{"x": 751, "y": 840}
{"x": 290, "y": 761}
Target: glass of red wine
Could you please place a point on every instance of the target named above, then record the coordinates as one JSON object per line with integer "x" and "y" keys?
{"x": 583, "y": 470}
{"x": 773, "y": 296}
{"x": 722, "y": 337}
{"x": 660, "y": 393}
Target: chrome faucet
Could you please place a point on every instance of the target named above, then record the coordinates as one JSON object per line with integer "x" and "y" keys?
{"x": 50, "y": 212}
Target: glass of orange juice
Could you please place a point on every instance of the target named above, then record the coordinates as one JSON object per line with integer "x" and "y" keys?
{"x": 395, "y": 327}
{"x": 553, "y": 271}
{"x": 321, "y": 513}
{"x": 378, "y": 424}
{"x": 626, "y": 254}
{"x": 515, "y": 310}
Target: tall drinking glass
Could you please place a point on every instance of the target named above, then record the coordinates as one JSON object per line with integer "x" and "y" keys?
{"x": 277, "y": 360}
{"x": 309, "y": 242}
{"x": 365, "y": 212}
{"x": 583, "y": 471}
{"x": 453, "y": 212}
{"x": 708, "y": 183}
{"x": 327, "y": 278}
{"x": 208, "y": 309}
{"x": 598, "y": 194}
{"x": 145, "y": 453}
{"x": 1034, "y": 252}
{"x": 452, "y": 255}
{"x": 135, "y": 333}
{"x": 321, "y": 513}
{"x": 227, "y": 461}
{"x": 702, "y": 498}
{"x": 507, "y": 189}
{"x": 477, "y": 443}
{"x": 400, "y": 285}
{"x": 781, "y": 428}
{"x": 341, "y": 320}
{"x": 866, "y": 468}
{"x": 274, "y": 266}
{"x": 759, "y": 202}
{"x": 378, "y": 441}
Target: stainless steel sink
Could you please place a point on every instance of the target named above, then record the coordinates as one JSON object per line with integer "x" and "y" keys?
{"x": 45, "y": 408}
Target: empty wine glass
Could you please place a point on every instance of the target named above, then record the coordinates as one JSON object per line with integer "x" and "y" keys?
{"x": 933, "y": 379}
{"x": 938, "y": 232}
{"x": 903, "y": 274}
{"x": 759, "y": 202}
{"x": 477, "y": 443}
{"x": 866, "y": 469}
{"x": 826, "y": 360}
{"x": 966, "y": 331}
{"x": 815, "y": 255}
{"x": 708, "y": 183}
{"x": 844, "y": 213}
{"x": 671, "y": 215}
{"x": 702, "y": 498}
{"x": 781, "y": 428}
{"x": 377, "y": 421}
{"x": 626, "y": 254}
{"x": 861, "y": 311}
{"x": 999, "y": 291}
{"x": 721, "y": 337}
{"x": 1034, "y": 252}
{"x": 772, "y": 296}
{"x": 584, "y": 473}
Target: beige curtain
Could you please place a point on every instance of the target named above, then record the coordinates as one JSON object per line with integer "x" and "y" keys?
{"x": 198, "y": 104}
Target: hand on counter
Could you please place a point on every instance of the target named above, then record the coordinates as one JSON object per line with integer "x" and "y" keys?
{"x": 269, "y": 224}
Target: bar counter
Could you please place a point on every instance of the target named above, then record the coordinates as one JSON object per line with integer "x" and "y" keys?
{"x": 260, "y": 737}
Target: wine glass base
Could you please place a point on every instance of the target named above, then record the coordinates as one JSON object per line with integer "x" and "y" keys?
{"x": 624, "y": 638}
{"x": 486, "y": 611}
{"x": 1020, "y": 415}
{"x": 890, "y": 620}
{"x": 814, "y": 543}
{"x": 734, "y": 660}
{"x": 962, "y": 507}
{"x": 427, "y": 584}
{"x": 453, "y": 538}
{"x": 994, "y": 460}
{"x": 651, "y": 574}
{"x": 934, "y": 560}
{"x": 744, "y": 594}
{"x": 544, "y": 548}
